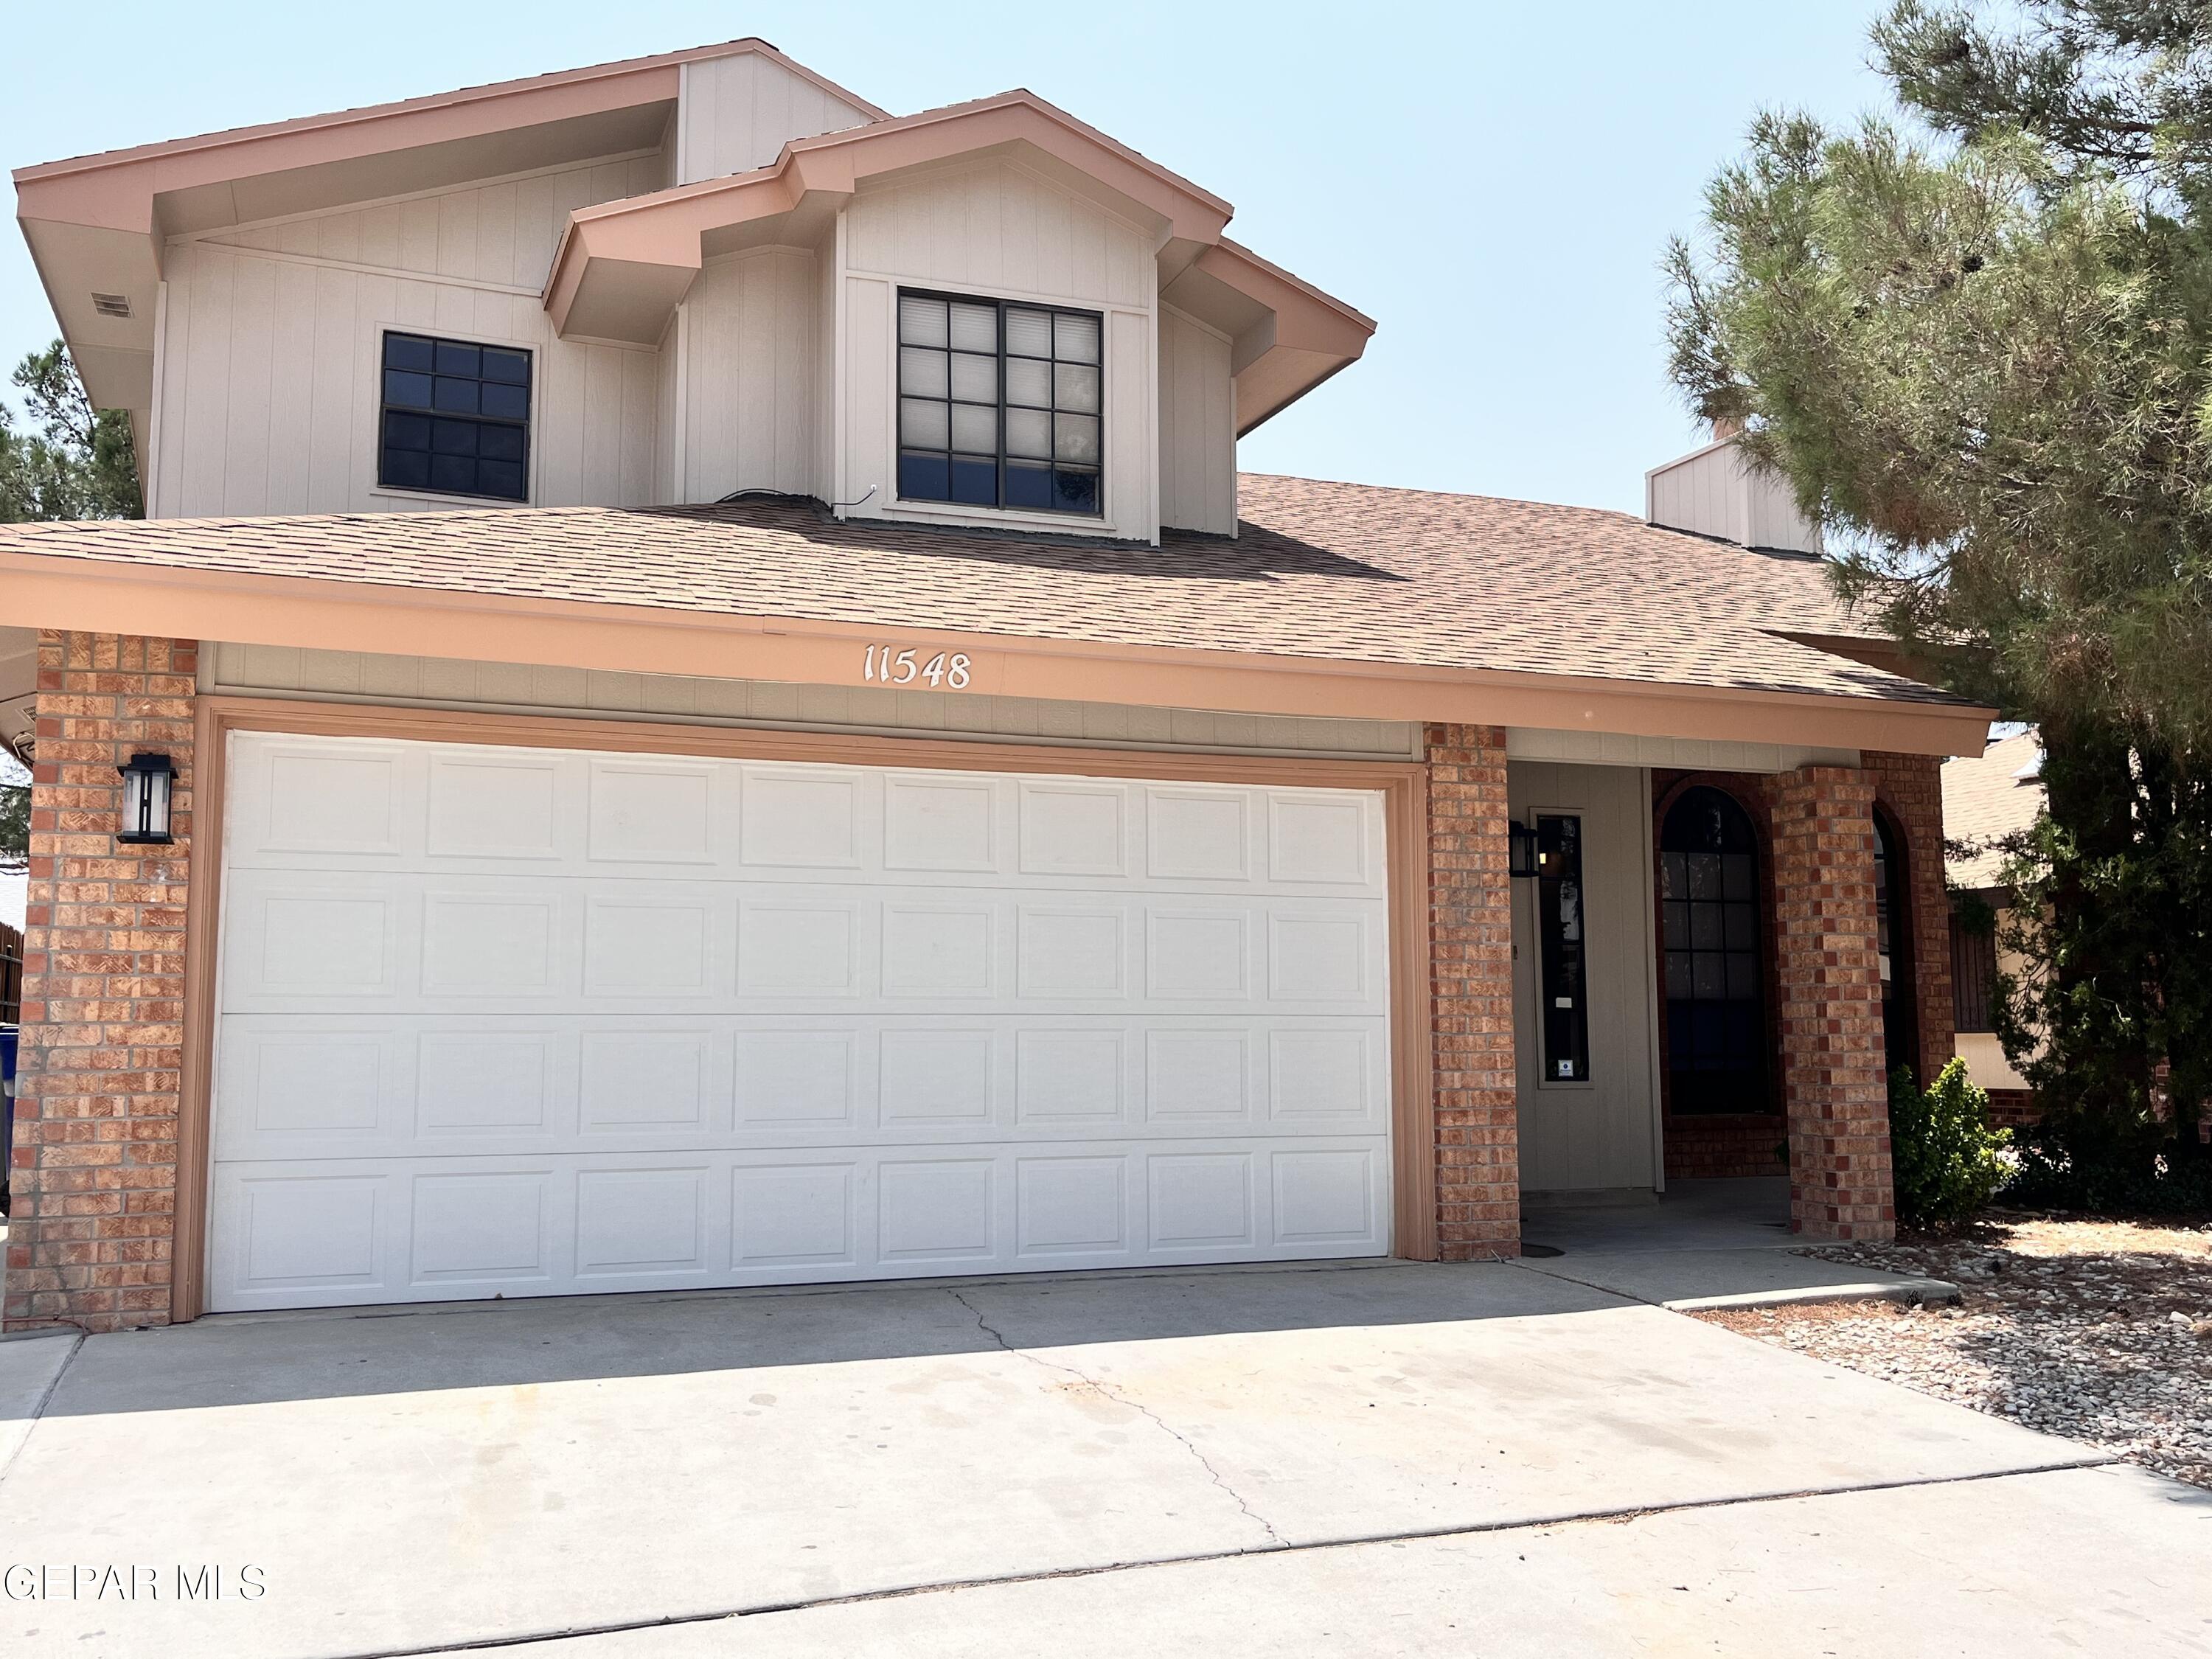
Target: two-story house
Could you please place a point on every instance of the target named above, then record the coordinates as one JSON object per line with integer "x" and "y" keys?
{"x": 700, "y": 702}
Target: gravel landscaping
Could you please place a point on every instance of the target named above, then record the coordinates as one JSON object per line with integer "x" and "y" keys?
{"x": 2098, "y": 1330}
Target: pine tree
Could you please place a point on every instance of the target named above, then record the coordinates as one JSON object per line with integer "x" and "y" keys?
{"x": 78, "y": 462}
{"x": 1979, "y": 344}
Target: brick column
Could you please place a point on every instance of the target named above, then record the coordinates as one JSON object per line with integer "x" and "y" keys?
{"x": 95, "y": 1169}
{"x": 1833, "y": 1086}
{"x": 1471, "y": 980}
{"x": 1911, "y": 787}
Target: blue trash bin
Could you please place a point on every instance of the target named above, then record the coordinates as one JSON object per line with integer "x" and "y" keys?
{"x": 8, "y": 1036}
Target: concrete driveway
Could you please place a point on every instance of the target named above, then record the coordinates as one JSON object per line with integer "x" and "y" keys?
{"x": 1407, "y": 1458}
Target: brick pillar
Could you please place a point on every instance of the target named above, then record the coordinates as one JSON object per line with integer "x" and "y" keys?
{"x": 1833, "y": 1086}
{"x": 95, "y": 1169}
{"x": 1471, "y": 980}
{"x": 1911, "y": 787}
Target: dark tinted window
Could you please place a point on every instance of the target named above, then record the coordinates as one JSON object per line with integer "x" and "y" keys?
{"x": 456, "y": 418}
{"x": 1709, "y": 925}
{"x": 1000, "y": 404}
{"x": 1559, "y": 931}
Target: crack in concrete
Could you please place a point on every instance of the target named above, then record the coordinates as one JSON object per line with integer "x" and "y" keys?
{"x": 1274, "y": 1539}
{"x": 1351, "y": 1541}
{"x": 45, "y": 1398}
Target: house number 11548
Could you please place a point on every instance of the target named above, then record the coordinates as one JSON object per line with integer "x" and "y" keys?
{"x": 905, "y": 668}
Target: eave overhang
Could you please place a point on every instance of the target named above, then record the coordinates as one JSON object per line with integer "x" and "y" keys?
{"x": 98, "y": 223}
{"x": 106, "y": 597}
{"x": 622, "y": 267}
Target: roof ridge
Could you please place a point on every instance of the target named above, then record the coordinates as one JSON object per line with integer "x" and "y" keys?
{"x": 219, "y": 136}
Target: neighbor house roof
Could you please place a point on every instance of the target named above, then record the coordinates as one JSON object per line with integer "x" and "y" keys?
{"x": 1987, "y": 798}
{"x": 1335, "y": 571}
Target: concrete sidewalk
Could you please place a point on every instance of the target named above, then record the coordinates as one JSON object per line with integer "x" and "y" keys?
{"x": 1962, "y": 1568}
{"x": 416, "y": 1480}
{"x": 1704, "y": 1244}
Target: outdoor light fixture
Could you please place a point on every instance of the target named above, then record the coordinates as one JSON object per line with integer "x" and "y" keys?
{"x": 144, "y": 820}
{"x": 1523, "y": 861}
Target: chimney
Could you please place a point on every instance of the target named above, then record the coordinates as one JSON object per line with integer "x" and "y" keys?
{"x": 1715, "y": 492}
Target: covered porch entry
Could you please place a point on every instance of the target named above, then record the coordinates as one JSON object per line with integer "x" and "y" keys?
{"x": 1714, "y": 972}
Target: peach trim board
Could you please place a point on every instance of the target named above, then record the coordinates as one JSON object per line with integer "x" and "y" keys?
{"x": 664, "y": 229}
{"x": 1402, "y": 786}
{"x": 255, "y": 610}
{"x": 376, "y": 128}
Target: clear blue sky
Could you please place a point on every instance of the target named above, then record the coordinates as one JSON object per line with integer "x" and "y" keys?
{"x": 1519, "y": 167}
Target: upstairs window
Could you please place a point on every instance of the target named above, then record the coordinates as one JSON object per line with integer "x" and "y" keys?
{"x": 456, "y": 418}
{"x": 999, "y": 404}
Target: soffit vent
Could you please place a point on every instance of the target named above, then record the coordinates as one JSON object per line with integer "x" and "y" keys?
{"x": 112, "y": 305}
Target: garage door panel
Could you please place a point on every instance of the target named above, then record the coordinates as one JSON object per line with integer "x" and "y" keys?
{"x": 333, "y": 1087}
{"x": 1326, "y": 1199}
{"x": 500, "y": 808}
{"x": 1074, "y": 831}
{"x": 657, "y": 814}
{"x": 310, "y": 941}
{"x": 334, "y": 1233}
{"x": 333, "y": 801}
{"x": 800, "y": 944}
{"x": 483, "y": 1229}
{"x": 526, "y": 1022}
{"x": 661, "y": 946}
{"x": 947, "y": 826}
{"x": 800, "y": 1215}
{"x": 309, "y": 803}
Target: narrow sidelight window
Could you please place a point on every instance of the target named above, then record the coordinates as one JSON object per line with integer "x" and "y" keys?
{"x": 1560, "y": 935}
{"x": 999, "y": 404}
{"x": 456, "y": 418}
{"x": 1709, "y": 925}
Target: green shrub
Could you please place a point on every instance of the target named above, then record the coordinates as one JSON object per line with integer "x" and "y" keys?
{"x": 1947, "y": 1160}
{"x": 2070, "y": 1162}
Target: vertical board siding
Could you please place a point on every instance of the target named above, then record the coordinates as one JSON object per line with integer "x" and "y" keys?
{"x": 996, "y": 229}
{"x": 1198, "y": 428}
{"x": 995, "y": 226}
{"x": 1598, "y": 1135}
{"x": 269, "y": 387}
{"x": 1718, "y": 492}
{"x": 748, "y": 340}
{"x": 738, "y": 112}
{"x": 868, "y": 393}
{"x": 824, "y": 460}
{"x": 1132, "y": 446}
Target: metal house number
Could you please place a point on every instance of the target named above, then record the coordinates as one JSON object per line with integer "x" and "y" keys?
{"x": 904, "y": 668}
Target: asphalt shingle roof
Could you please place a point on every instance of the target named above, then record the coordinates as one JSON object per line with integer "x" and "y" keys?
{"x": 1319, "y": 570}
{"x": 1986, "y": 798}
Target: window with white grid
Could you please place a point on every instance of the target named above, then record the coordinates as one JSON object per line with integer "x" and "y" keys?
{"x": 999, "y": 403}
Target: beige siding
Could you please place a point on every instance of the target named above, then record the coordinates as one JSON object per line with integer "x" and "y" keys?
{"x": 1700, "y": 493}
{"x": 668, "y": 425}
{"x": 997, "y": 229}
{"x": 826, "y": 281}
{"x": 737, "y": 113}
{"x": 1198, "y": 428}
{"x": 1684, "y": 754}
{"x": 1601, "y": 1134}
{"x": 750, "y": 363}
{"x": 1715, "y": 492}
{"x": 349, "y": 675}
{"x": 268, "y": 386}
{"x": 865, "y": 399}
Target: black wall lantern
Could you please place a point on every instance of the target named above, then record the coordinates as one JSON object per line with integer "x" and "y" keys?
{"x": 147, "y": 784}
{"x": 1523, "y": 861}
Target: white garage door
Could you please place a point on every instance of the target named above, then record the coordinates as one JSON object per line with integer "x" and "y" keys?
{"x": 525, "y": 1021}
